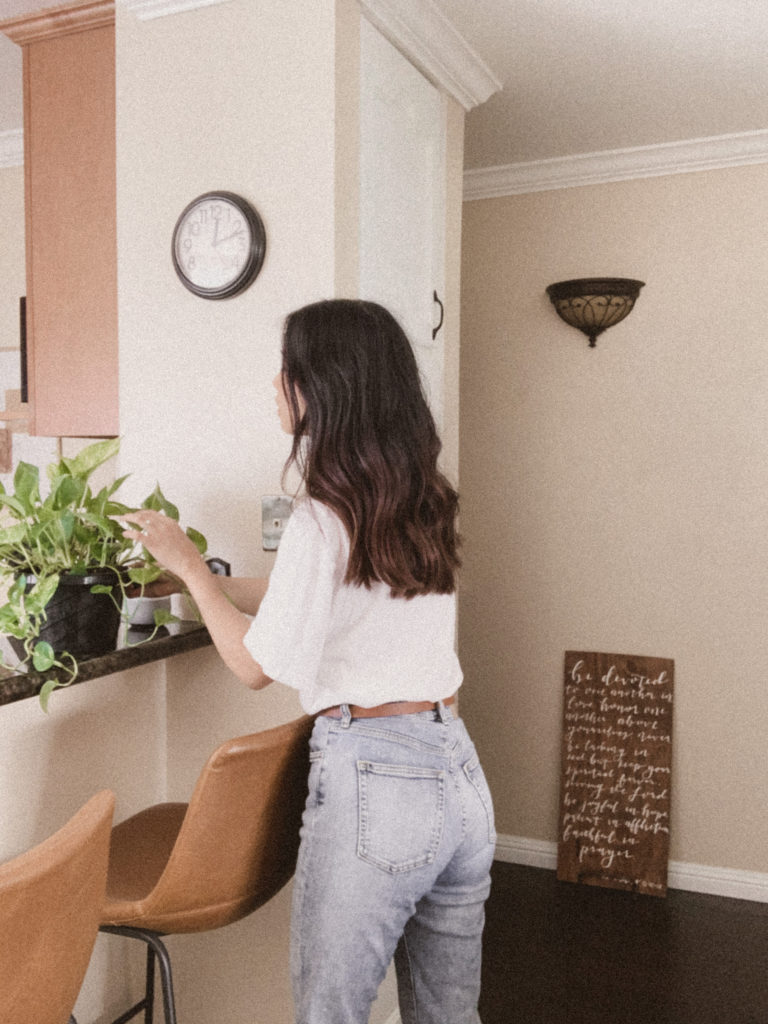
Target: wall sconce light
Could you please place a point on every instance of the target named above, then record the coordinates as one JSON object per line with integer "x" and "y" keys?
{"x": 593, "y": 304}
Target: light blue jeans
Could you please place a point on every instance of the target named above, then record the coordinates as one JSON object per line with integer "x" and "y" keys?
{"x": 397, "y": 842}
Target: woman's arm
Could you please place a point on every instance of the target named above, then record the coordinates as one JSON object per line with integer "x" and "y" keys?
{"x": 226, "y": 622}
{"x": 224, "y": 602}
{"x": 245, "y": 592}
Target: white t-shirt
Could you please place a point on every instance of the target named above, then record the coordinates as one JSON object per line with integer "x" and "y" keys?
{"x": 337, "y": 643}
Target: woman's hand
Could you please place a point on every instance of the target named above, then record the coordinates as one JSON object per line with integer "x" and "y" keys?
{"x": 165, "y": 540}
{"x": 171, "y": 547}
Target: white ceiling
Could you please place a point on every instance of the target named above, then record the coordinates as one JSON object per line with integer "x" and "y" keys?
{"x": 583, "y": 76}
{"x": 580, "y": 76}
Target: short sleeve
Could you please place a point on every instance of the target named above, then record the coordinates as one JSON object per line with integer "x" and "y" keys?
{"x": 289, "y": 632}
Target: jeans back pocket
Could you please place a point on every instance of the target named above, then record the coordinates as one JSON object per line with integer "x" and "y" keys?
{"x": 401, "y": 811}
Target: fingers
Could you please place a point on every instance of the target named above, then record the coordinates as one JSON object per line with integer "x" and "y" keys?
{"x": 144, "y": 522}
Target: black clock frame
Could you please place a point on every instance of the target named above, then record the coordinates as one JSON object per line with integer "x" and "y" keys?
{"x": 253, "y": 264}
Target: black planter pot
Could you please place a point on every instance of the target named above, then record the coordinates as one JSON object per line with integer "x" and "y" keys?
{"x": 82, "y": 623}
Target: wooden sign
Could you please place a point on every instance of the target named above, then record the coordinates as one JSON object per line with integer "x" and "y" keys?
{"x": 616, "y": 771}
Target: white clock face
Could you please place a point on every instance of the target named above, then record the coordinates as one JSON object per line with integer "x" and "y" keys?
{"x": 212, "y": 243}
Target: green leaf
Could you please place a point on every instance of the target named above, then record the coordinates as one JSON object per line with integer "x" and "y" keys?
{"x": 163, "y": 617}
{"x": 101, "y": 588}
{"x": 41, "y": 593}
{"x": 46, "y": 587}
{"x": 26, "y": 483}
{"x": 49, "y": 686}
{"x": 197, "y": 539}
{"x": 84, "y": 463}
{"x": 13, "y": 534}
{"x": 157, "y": 501}
{"x": 13, "y": 503}
{"x": 45, "y": 693}
{"x": 107, "y": 492}
{"x": 96, "y": 533}
{"x": 43, "y": 657}
{"x": 16, "y": 592}
{"x": 117, "y": 508}
{"x": 67, "y": 522}
{"x": 67, "y": 492}
{"x": 9, "y": 623}
{"x": 145, "y": 574}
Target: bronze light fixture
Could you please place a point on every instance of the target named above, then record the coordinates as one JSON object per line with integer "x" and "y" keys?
{"x": 593, "y": 304}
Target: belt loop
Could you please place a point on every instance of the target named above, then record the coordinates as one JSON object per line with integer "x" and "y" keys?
{"x": 346, "y": 716}
{"x": 442, "y": 714}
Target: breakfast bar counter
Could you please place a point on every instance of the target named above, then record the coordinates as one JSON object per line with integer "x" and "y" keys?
{"x": 132, "y": 649}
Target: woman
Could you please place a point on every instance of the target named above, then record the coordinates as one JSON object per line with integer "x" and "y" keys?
{"x": 358, "y": 615}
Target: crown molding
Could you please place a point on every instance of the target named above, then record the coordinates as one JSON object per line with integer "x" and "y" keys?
{"x": 428, "y": 39}
{"x": 12, "y": 148}
{"x": 146, "y": 10}
{"x": 714, "y": 153}
{"x": 59, "y": 21}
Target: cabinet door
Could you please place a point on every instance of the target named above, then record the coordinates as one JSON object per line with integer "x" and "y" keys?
{"x": 402, "y": 199}
{"x": 69, "y": 133}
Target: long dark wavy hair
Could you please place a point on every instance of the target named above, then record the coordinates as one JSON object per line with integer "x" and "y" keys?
{"x": 366, "y": 444}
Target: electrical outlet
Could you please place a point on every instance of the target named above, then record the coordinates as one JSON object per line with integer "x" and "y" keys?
{"x": 275, "y": 512}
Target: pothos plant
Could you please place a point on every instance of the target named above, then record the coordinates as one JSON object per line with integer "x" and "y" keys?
{"x": 70, "y": 530}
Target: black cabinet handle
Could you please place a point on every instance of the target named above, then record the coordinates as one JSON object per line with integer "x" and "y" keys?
{"x": 23, "y": 347}
{"x": 442, "y": 314}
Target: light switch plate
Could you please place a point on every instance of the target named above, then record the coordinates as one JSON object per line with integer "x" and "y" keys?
{"x": 275, "y": 512}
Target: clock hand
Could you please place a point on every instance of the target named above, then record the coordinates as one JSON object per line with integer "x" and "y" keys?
{"x": 215, "y": 231}
{"x": 234, "y": 234}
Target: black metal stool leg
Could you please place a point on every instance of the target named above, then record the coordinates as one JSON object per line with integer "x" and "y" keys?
{"x": 149, "y": 987}
{"x": 155, "y": 951}
{"x": 166, "y": 978}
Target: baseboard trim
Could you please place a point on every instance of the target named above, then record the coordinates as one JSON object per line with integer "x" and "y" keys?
{"x": 533, "y": 853}
{"x": 714, "y": 881}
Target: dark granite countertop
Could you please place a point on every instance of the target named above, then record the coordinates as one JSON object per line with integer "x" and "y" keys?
{"x": 131, "y": 650}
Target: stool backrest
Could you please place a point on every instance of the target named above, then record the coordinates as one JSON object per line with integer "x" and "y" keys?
{"x": 238, "y": 843}
{"x": 50, "y": 905}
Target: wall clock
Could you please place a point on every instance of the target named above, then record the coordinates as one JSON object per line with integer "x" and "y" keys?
{"x": 218, "y": 245}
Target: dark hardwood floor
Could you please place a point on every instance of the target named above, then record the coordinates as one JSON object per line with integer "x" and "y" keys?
{"x": 558, "y": 953}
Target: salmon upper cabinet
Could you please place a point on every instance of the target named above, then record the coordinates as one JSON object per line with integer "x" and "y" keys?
{"x": 71, "y": 236}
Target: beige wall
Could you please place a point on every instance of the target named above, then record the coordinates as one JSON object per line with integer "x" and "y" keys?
{"x": 615, "y": 499}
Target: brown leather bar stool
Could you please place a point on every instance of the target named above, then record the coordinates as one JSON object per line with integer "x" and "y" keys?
{"x": 50, "y": 905}
{"x": 177, "y": 867}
